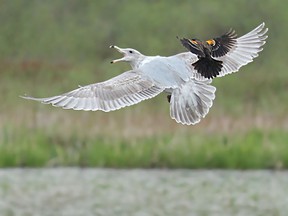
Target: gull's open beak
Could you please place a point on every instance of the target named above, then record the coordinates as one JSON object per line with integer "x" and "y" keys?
{"x": 120, "y": 51}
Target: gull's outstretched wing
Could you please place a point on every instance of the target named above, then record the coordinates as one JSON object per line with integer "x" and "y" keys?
{"x": 242, "y": 50}
{"x": 123, "y": 90}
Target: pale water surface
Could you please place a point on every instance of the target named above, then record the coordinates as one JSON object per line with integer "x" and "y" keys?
{"x": 109, "y": 192}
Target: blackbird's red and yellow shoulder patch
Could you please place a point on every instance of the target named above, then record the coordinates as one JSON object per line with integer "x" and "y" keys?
{"x": 211, "y": 42}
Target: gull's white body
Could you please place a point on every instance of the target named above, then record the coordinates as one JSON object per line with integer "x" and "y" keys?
{"x": 191, "y": 94}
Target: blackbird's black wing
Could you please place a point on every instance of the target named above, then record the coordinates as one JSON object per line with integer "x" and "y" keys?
{"x": 224, "y": 43}
{"x": 193, "y": 46}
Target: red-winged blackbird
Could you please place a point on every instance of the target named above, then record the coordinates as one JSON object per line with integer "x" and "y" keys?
{"x": 213, "y": 53}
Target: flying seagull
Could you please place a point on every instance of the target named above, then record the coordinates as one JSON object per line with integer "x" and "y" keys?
{"x": 190, "y": 99}
{"x": 189, "y": 93}
{"x": 227, "y": 53}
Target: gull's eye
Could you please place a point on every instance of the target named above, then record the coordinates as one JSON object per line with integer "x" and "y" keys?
{"x": 130, "y": 51}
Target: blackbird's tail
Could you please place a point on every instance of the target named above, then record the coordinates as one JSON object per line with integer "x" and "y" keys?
{"x": 208, "y": 67}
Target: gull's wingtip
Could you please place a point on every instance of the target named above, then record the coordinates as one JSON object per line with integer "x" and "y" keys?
{"x": 264, "y": 30}
{"x": 27, "y": 97}
{"x": 262, "y": 25}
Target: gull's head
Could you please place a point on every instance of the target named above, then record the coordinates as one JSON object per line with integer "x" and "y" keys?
{"x": 129, "y": 55}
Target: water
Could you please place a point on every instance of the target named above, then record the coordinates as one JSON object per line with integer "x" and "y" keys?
{"x": 108, "y": 192}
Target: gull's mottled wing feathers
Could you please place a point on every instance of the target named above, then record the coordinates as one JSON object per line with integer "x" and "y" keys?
{"x": 244, "y": 50}
{"x": 123, "y": 90}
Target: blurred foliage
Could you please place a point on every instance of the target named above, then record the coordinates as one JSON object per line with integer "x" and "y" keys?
{"x": 252, "y": 150}
{"x": 48, "y": 47}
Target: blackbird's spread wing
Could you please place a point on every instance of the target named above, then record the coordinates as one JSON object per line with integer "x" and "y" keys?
{"x": 193, "y": 46}
{"x": 223, "y": 44}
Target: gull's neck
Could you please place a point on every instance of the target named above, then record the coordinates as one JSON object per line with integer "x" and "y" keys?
{"x": 141, "y": 60}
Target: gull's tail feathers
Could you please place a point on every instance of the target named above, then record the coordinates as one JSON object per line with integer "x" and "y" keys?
{"x": 191, "y": 102}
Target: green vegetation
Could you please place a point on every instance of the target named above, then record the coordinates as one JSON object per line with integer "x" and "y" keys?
{"x": 49, "y": 47}
{"x": 254, "y": 149}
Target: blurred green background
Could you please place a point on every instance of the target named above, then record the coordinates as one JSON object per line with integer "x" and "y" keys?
{"x": 49, "y": 47}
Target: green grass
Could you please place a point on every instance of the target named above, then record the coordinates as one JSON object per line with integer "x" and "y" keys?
{"x": 250, "y": 150}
